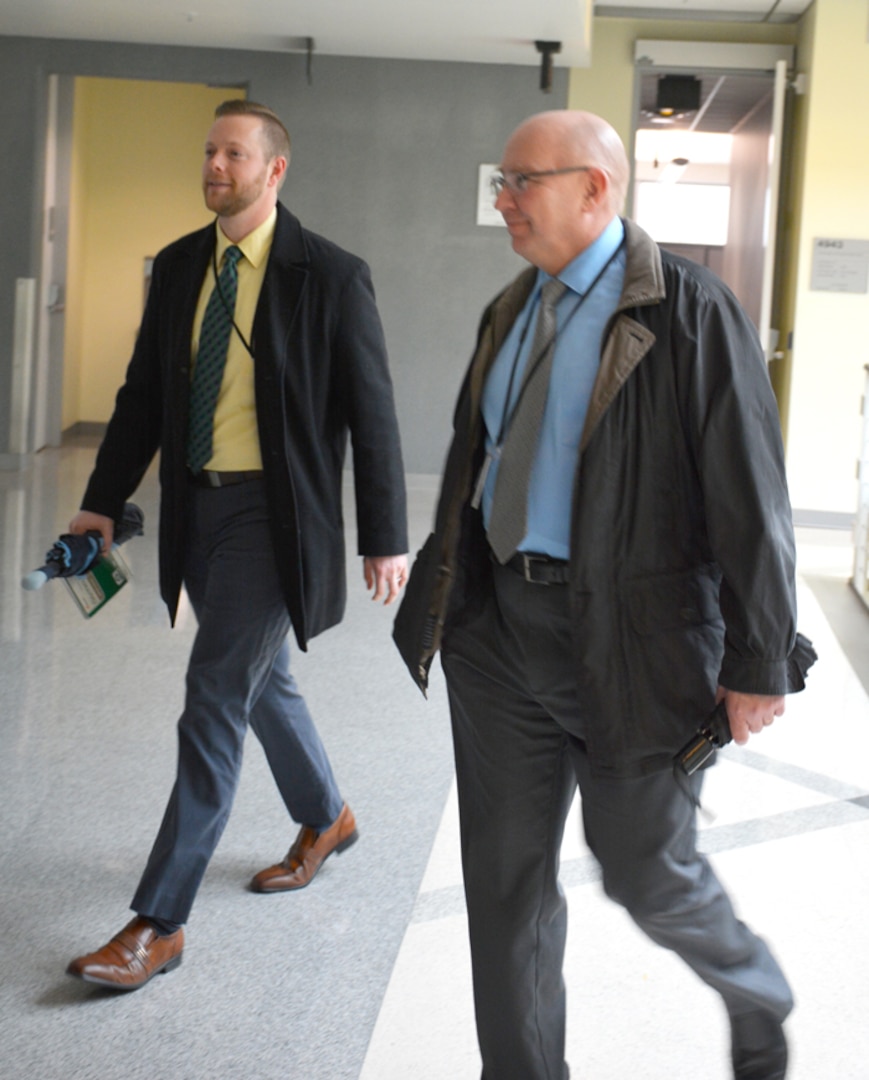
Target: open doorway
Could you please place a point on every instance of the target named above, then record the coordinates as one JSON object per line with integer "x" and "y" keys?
{"x": 706, "y": 172}
{"x": 122, "y": 180}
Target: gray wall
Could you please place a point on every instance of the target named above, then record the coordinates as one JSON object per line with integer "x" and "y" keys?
{"x": 385, "y": 157}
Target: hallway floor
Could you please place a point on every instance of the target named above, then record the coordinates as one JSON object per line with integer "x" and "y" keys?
{"x": 365, "y": 975}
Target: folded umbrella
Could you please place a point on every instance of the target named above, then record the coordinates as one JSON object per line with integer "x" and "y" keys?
{"x": 73, "y": 556}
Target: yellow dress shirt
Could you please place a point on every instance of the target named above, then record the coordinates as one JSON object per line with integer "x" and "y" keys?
{"x": 236, "y": 439}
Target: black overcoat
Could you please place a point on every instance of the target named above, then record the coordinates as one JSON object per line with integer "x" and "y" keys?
{"x": 681, "y": 569}
{"x": 320, "y": 373}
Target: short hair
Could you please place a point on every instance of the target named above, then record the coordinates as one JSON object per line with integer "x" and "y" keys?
{"x": 275, "y": 136}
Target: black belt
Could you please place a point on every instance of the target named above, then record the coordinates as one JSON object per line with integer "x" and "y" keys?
{"x": 539, "y": 569}
{"x": 208, "y": 478}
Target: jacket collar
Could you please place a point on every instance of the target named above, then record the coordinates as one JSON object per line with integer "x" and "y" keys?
{"x": 502, "y": 313}
{"x": 644, "y": 273}
{"x": 643, "y": 284}
{"x": 625, "y": 343}
{"x": 282, "y": 288}
{"x": 289, "y": 244}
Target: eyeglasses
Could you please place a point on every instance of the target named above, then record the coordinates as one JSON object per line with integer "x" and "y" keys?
{"x": 517, "y": 182}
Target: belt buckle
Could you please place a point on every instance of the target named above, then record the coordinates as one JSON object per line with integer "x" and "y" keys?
{"x": 527, "y": 562}
{"x": 213, "y": 478}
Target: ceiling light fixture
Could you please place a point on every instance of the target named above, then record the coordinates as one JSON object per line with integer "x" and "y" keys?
{"x": 673, "y": 171}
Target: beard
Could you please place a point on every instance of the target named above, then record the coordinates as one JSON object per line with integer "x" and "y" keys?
{"x": 234, "y": 198}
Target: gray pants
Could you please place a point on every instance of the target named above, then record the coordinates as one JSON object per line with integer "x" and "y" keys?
{"x": 238, "y": 675}
{"x": 519, "y": 759}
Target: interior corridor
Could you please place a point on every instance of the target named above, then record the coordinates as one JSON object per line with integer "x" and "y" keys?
{"x": 365, "y": 975}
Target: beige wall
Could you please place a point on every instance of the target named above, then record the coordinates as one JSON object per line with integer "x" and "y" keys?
{"x": 831, "y": 330}
{"x": 137, "y": 153}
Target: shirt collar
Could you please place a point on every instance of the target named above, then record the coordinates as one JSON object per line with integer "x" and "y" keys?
{"x": 255, "y": 246}
{"x": 579, "y": 274}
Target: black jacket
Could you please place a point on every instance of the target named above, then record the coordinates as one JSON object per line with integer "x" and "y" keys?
{"x": 682, "y": 550}
{"x": 320, "y": 371}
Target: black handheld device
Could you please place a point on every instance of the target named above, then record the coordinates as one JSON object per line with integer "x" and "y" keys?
{"x": 711, "y": 736}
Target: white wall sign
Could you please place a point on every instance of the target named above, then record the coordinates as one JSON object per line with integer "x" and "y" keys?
{"x": 486, "y": 212}
{"x": 840, "y": 266}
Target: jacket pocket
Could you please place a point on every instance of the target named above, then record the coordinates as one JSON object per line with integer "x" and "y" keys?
{"x": 674, "y": 643}
{"x": 670, "y": 601}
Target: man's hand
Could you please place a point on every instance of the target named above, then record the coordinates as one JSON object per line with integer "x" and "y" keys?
{"x": 750, "y": 713}
{"x": 84, "y": 522}
{"x": 386, "y": 575}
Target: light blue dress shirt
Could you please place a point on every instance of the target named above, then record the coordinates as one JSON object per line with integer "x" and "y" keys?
{"x": 581, "y": 318}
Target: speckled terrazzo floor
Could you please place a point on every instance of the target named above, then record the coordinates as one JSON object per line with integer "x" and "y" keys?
{"x": 364, "y": 975}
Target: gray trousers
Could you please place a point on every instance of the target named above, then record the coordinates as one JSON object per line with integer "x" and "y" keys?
{"x": 519, "y": 757}
{"x": 238, "y": 675}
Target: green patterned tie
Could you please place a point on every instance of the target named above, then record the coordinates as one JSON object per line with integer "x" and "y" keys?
{"x": 210, "y": 361}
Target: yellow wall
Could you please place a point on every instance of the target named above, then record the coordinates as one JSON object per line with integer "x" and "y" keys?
{"x": 831, "y": 330}
{"x": 137, "y": 154}
{"x": 71, "y": 409}
{"x": 789, "y": 225}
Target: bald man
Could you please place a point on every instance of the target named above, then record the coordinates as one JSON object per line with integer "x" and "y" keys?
{"x": 612, "y": 556}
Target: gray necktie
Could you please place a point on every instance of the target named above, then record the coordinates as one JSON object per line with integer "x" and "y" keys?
{"x": 509, "y": 513}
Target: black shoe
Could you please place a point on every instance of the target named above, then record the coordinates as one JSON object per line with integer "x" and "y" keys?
{"x": 760, "y": 1050}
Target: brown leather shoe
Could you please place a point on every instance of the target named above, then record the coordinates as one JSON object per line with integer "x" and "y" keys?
{"x": 306, "y": 855}
{"x": 131, "y": 958}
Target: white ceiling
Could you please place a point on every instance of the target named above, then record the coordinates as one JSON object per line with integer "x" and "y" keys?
{"x": 484, "y": 31}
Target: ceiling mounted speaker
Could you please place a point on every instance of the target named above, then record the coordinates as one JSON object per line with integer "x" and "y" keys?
{"x": 678, "y": 94}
